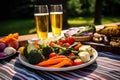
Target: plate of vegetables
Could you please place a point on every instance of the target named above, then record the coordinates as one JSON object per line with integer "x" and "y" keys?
{"x": 61, "y": 55}
{"x": 8, "y": 45}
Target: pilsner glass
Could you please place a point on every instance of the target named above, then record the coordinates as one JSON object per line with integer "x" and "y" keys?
{"x": 41, "y": 19}
{"x": 56, "y": 18}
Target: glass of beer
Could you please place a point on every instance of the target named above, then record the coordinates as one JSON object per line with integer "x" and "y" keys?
{"x": 56, "y": 18}
{"x": 41, "y": 15}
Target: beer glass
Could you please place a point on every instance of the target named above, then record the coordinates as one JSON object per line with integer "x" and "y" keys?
{"x": 56, "y": 18}
{"x": 41, "y": 15}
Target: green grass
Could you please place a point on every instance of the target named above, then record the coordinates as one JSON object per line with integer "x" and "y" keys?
{"x": 21, "y": 26}
{"x": 27, "y": 26}
{"x": 87, "y": 20}
{"x": 79, "y": 21}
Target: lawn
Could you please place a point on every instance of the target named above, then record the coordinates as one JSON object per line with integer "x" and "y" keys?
{"x": 27, "y": 26}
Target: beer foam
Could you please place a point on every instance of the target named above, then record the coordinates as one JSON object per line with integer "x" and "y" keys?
{"x": 56, "y": 12}
{"x": 41, "y": 14}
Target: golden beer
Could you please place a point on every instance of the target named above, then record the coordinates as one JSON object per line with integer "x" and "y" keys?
{"x": 41, "y": 20}
{"x": 56, "y": 22}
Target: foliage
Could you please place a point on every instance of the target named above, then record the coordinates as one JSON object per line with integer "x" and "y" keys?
{"x": 81, "y": 7}
{"x": 74, "y": 7}
{"x": 111, "y": 8}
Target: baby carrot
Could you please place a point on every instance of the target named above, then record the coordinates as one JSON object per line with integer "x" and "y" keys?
{"x": 65, "y": 62}
{"x": 50, "y": 62}
{"x": 58, "y": 56}
{"x": 77, "y": 46}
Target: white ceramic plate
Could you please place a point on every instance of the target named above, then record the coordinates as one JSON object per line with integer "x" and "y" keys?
{"x": 24, "y": 61}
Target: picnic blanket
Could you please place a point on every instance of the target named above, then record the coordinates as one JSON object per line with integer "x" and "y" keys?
{"x": 106, "y": 67}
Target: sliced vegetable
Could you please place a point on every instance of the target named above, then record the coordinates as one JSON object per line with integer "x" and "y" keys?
{"x": 58, "y": 56}
{"x": 77, "y": 46}
{"x": 90, "y": 28}
{"x": 50, "y": 62}
{"x": 11, "y": 40}
{"x": 28, "y": 48}
{"x": 35, "y": 57}
{"x": 77, "y": 62}
{"x": 65, "y": 62}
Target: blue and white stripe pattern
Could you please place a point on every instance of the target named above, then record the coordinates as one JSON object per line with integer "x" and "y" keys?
{"x": 106, "y": 67}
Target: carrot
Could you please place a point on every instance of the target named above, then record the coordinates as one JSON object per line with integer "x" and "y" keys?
{"x": 2, "y": 41}
{"x": 36, "y": 43}
{"x": 16, "y": 35}
{"x": 10, "y": 38}
{"x": 50, "y": 62}
{"x": 58, "y": 56}
{"x": 65, "y": 62}
{"x": 77, "y": 46}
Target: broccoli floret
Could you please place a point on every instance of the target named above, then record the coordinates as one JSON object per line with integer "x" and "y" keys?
{"x": 35, "y": 57}
{"x": 46, "y": 51}
{"x": 28, "y": 48}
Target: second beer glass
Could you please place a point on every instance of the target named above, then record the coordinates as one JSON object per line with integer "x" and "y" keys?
{"x": 41, "y": 18}
{"x": 56, "y": 19}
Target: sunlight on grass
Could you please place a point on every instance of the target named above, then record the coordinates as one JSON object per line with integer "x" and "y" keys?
{"x": 79, "y": 21}
{"x": 32, "y": 30}
{"x": 108, "y": 20}
{"x": 27, "y": 26}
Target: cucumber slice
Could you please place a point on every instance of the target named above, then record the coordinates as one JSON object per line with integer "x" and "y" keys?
{"x": 28, "y": 48}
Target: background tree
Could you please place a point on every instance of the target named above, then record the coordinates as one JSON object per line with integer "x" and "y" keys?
{"x": 98, "y": 12}
{"x": 72, "y": 8}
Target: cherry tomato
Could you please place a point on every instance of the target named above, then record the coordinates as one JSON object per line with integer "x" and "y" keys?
{"x": 63, "y": 40}
{"x": 52, "y": 44}
{"x": 52, "y": 54}
{"x": 66, "y": 45}
{"x": 70, "y": 40}
{"x": 60, "y": 43}
{"x": 77, "y": 62}
{"x": 71, "y": 54}
{"x": 77, "y": 46}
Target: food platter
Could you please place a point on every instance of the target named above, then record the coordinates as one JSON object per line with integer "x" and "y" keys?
{"x": 80, "y": 33}
{"x": 24, "y": 61}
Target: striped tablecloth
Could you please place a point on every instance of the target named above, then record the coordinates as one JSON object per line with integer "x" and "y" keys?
{"x": 106, "y": 67}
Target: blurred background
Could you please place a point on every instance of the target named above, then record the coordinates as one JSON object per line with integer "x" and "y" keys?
{"x": 18, "y": 15}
